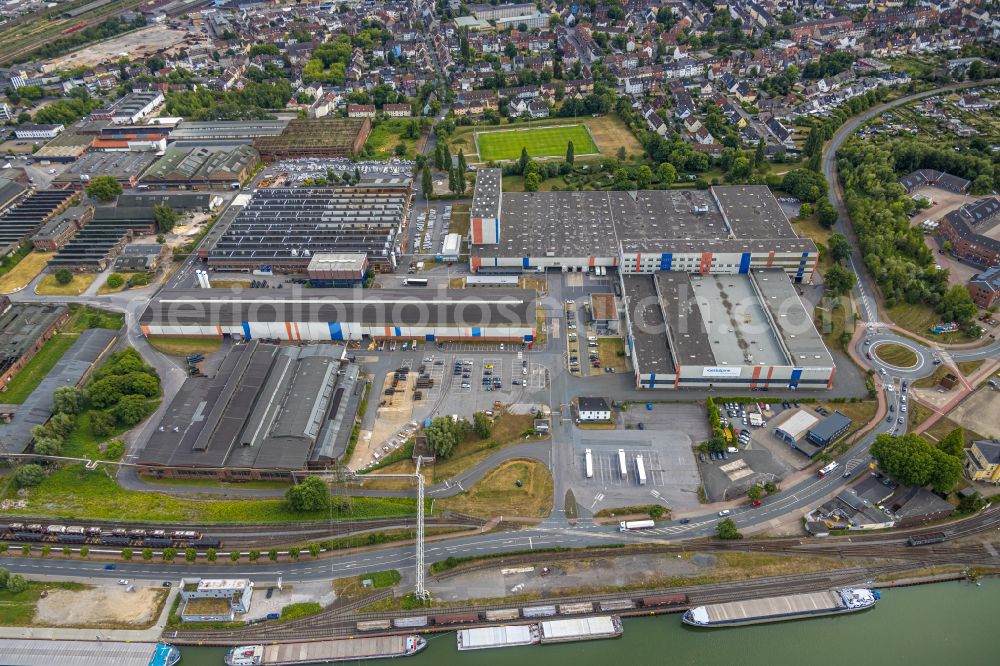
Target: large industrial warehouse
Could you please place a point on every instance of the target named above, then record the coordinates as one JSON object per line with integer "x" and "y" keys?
{"x": 730, "y": 229}
{"x": 316, "y": 137}
{"x": 267, "y": 411}
{"x": 707, "y": 277}
{"x": 280, "y": 229}
{"x": 324, "y": 315}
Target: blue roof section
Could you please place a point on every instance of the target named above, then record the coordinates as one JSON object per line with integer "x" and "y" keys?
{"x": 165, "y": 655}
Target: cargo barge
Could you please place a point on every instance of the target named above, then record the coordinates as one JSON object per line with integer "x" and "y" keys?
{"x": 779, "y": 609}
{"x": 30, "y": 652}
{"x": 511, "y": 635}
{"x": 580, "y": 629}
{"x": 325, "y": 652}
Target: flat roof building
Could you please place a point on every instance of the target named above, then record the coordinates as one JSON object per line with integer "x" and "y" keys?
{"x": 202, "y": 167}
{"x": 280, "y": 229}
{"x": 125, "y": 167}
{"x": 235, "y": 131}
{"x": 316, "y": 137}
{"x": 324, "y": 315}
{"x": 828, "y": 431}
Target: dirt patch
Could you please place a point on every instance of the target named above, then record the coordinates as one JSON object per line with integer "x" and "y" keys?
{"x": 394, "y": 412}
{"x": 135, "y": 45}
{"x": 980, "y": 412}
{"x": 100, "y": 606}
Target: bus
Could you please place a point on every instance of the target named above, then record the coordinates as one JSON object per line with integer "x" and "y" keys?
{"x": 589, "y": 460}
{"x": 415, "y": 282}
{"x": 621, "y": 464}
{"x": 640, "y": 470}
{"x": 829, "y": 468}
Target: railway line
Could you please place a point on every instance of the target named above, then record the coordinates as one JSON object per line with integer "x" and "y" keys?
{"x": 899, "y": 557}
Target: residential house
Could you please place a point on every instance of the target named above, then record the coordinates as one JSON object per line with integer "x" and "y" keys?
{"x": 982, "y": 461}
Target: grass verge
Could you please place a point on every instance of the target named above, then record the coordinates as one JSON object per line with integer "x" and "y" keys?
{"x": 930, "y": 381}
{"x": 179, "y": 346}
{"x": 918, "y": 414}
{"x": 459, "y": 220}
{"x": 497, "y": 493}
{"x": 919, "y": 318}
{"x": 73, "y": 492}
{"x": 969, "y": 367}
{"x": 38, "y": 367}
{"x": 353, "y": 587}
{"x": 20, "y": 273}
{"x": 48, "y": 286}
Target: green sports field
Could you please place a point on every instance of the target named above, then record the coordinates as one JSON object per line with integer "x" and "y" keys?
{"x": 540, "y": 142}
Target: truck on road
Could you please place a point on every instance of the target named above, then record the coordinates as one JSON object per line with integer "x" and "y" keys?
{"x": 635, "y": 525}
{"x": 589, "y": 460}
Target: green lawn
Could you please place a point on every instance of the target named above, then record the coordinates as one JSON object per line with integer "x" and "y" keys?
{"x": 76, "y": 493}
{"x": 387, "y": 134}
{"x": 32, "y": 374}
{"x": 540, "y": 142}
{"x": 919, "y": 319}
{"x": 897, "y": 355}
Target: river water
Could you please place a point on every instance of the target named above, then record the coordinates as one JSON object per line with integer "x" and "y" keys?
{"x": 937, "y": 625}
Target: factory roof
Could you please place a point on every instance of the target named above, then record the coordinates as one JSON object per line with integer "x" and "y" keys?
{"x": 201, "y": 163}
{"x": 374, "y": 307}
{"x": 689, "y": 339}
{"x": 486, "y": 198}
{"x": 649, "y": 339}
{"x": 338, "y": 261}
{"x": 267, "y": 407}
{"x": 790, "y": 319}
{"x": 122, "y": 166}
{"x": 738, "y": 329}
{"x": 726, "y": 219}
{"x": 242, "y": 130}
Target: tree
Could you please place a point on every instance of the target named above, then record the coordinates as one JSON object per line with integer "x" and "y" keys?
{"x": 740, "y": 169}
{"x": 115, "y": 281}
{"x": 523, "y": 161}
{"x": 755, "y": 492}
{"x": 971, "y": 504}
{"x": 4, "y": 577}
{"x": 102, "y": 423}
{"x": 294, "y": 553}
{"x": 28, "y": 476}
{"x": 838, "y": 280}
{"x": 253, "y": 555}
{"x": 131, "y": 409}
{"x": 954, "y": 443}
{"x": 912, "y": 461}
{"x": 126, "y": 554}
{"x": 666, "y": 173}
{"x": 643, "y": 176}
{"x": 442, "y": 436}
{"x": 169, "y": 554}
{"x": 531, "y": 182}
{"x": 481, "y": 425}
{"x": 805, "y": 210}
{"x": 147, "y": 554}
{"x": 726, "y": 529}
{"x": 165, "y": 216}
{"x": 827, "y": 213}
{"x": 311, "y": 494}
{"x": 104, "y": 188}
{"x": 16, "y": 584}
{"x": 190, "y": 554}
{"x": 64, "y": 276}
{"x": 315, "y": 549}
{"x": 234, "y": 556}
{"x": 66, "y": 400}
{"x": 839, "y": 247}
{"x": 758, "y": 156}
{"x": 460, "y": 172}
{"x": 211, "y": 554}
{"x": 427, "y": 183}
{"x": 569, "y": 153}
{"x": 273, "y": 554}
{"x": 957, "y": 305}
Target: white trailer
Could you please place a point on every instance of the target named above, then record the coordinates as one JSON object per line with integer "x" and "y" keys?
{"x": 631, "y": 525}
{"x": 621, "y": 464}
{"x": 640, "y": 470}
{"x": 589, "y": 459}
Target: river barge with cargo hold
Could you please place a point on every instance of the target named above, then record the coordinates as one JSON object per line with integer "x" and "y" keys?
{"x": 780, "y": 609}
{"x": 325, "y": 652}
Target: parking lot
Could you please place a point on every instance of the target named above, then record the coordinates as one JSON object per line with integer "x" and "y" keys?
{"x": 299, "y": 170}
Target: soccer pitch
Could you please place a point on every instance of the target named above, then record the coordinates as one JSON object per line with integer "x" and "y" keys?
{"x": 540, "y": 142}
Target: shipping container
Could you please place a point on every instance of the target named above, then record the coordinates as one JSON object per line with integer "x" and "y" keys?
{"x": 502, "y": 615}
{"x": 576, "y": 609}
{"x": 622, "y": 468}
{"x": 374, "y": 625}
{"x": 538, "y": 611}
{"x": 640, "y": 470}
